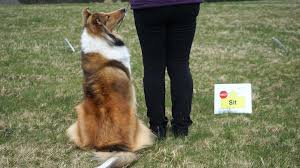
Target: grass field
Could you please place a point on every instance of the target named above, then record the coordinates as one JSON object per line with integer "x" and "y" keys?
{"x": 40, "y": 83}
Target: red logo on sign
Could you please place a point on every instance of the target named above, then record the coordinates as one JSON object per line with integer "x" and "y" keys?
{"x": 223, "y": 94}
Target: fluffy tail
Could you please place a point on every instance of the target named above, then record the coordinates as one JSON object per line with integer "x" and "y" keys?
{"x": 116, "y": 159}
{"x": 144, "y": 139}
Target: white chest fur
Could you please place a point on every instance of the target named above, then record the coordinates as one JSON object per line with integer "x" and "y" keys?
{"x": 98, "y": 45}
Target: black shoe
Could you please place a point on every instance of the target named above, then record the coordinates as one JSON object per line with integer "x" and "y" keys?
{"x": 159, "y": 131}
{"x": 180, "y": 132}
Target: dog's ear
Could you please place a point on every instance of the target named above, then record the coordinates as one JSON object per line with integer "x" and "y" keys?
{"x": 85, "y": 15}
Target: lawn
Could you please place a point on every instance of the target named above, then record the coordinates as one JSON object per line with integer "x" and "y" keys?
{"x": 40, "y": 83}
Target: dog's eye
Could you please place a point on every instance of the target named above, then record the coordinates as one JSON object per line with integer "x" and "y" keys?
{"x": 107, "y": 17}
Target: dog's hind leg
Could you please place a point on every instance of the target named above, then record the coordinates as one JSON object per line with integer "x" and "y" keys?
{"x": 72, "y": 133}
{"x": 144, "y": 137}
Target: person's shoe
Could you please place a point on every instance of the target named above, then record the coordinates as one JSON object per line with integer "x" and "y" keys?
{"x": 180, "y": 132}
{"x": 159, "y": 131}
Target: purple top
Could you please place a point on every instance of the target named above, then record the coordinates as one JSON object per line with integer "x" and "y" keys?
{"x": 138, "y": 4}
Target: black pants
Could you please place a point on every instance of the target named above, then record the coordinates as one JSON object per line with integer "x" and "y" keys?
{"x": 166, "y": 35}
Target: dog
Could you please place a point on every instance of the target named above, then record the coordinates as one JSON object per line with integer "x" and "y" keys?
{"x": 106, "y": 118}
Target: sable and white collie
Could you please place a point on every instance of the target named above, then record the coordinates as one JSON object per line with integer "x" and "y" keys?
{"x": 107, "y": 120}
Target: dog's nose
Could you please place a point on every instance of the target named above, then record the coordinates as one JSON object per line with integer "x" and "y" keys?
{"x": 123, "y": 10}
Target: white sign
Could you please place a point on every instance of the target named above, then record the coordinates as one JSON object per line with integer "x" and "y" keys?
{"x": 233, "y": 98}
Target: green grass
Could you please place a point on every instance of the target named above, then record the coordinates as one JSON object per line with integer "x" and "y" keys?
{"x": 40, "y": 83}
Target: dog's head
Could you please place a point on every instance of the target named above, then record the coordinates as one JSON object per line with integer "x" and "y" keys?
{"x": 100, "y": 23}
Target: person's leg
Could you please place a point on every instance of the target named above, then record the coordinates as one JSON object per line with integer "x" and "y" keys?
{"x": 180, "y": 34}
{"x": 150, "y": 25}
